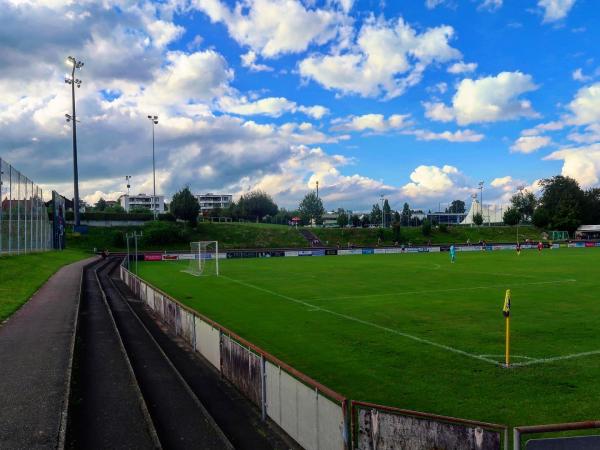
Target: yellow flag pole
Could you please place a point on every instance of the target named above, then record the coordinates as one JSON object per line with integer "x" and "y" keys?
{"x": 507, "y": 341}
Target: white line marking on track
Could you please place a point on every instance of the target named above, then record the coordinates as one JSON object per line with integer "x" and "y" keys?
{"x": 433, "y": 291}
{"x": 364, "y": 322}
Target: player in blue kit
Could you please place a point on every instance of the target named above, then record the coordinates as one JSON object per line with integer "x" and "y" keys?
{"x": 452, "y": 253}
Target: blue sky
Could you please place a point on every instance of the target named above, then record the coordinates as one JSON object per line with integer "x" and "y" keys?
{"x": 416, "y": 100}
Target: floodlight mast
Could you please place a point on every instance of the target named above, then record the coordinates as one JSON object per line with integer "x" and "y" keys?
{"x": 520, "y": 188}
{"x": 74, "y": 82}
{"x": 154, "y": 120}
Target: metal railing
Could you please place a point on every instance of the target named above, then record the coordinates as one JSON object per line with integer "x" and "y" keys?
{"x": 535, "y": 429}
{"x": 24, "y": 224}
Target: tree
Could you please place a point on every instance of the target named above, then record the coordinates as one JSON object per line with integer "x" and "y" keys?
{"x": 397, "y": 231}
{"x": 426, "y": 228}
{"x": 365, "y": 220}
{"x": 396, "y": 217}
{"x": 114, "y": 209}
{"x": 457, "y": 207}
{"x": 563, "y": 202}
{"x": 342, "y": 219}
{"x": 387, "y": 213}
{"x": 524, "y": 204}
{"x": 311, "y": 207}
{"x": 355, "y": 219}
{"x": 185, "y": 206}
{"x": 255, "y": 205}
{"x": 592, "y": 206}
{"x": 100, "y": 205}
{"x": 511, "y": 216}
{"x": 478, "y": 219}
{"x": 405, "y": 216}
{"x": 540, "y": 218}
{"x": 376, "y": 214}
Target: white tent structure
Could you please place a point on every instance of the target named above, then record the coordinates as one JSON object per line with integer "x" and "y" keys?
{"x": 492, "y": 214}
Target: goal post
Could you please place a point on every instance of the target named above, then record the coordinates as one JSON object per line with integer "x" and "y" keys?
{"x": 204, "y": 258}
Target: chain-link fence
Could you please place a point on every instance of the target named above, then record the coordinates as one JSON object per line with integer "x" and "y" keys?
{"x": 24, "y": 223}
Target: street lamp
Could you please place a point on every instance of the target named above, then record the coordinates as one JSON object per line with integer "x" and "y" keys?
{"x": 481, "y": 197}
{"x": 128, "y": 178}
{"x": 520, "y": 188}
{"x": 317, "y": 189}
{"x": 154, "y": 120}
{"x": 73, "y": 118}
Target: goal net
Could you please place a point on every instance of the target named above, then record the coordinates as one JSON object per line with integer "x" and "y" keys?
{"x": 204, "y": 258}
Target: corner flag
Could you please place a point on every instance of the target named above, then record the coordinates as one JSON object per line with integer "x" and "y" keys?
{"x": 506, "y": 307}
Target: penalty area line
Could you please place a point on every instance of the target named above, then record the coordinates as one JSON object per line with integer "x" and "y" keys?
{"x": 365, "y": 322}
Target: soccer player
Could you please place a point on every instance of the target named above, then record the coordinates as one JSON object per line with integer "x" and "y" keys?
{"x": 452, "y": 254}
{"x": 519, "y": 248}
{"x": 540, "y": 246}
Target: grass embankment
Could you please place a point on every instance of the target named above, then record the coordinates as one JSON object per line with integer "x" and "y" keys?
{"x": 22, "y": 275}
{"x": 251, "y": 235}
{"x": 369, "y": 236}
{"x": 229, "y": 235}
{"x": 417, "y": 332}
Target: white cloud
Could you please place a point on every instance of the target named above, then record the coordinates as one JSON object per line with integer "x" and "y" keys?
{"x": 388, "y": 58}
{"x": 268, "y": 106}
{"x": 462, "y": 67}
{"x": 434, "y": 181}
{"x": 585, "y": 107}
{"x": 489, "y": 99}
{"x": 345, "y": 5}
{"x": 491, "y": 5}
{"x": 274, "y": 27}
{"x": 555, "y": 9}
{"x": 543, "y": 127}
{"x": 579, "y": 76}
{"x": 530, "y": 144}
{"x": 501, "y": 182}
{"x": 456, "y": 136}
{"x": 249, "y": 61}
{"x": 580, "y": 163}
{"x": 430, "y": 4}
{"x": 438, "y": 111}
{"x": 373, "y": 122}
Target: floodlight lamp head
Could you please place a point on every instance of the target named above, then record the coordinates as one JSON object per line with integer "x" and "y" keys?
{"x": 155, "y": 117}
{"x": 155, "y": 122}
{"x": 70, "y": 60}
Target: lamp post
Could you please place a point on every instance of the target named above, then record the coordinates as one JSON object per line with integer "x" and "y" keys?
{"x": 317, "y": 189}
{"x": 154, "y": 120}
{"x": 74, "y": 82}
{"x": 128, "y": 180}
{"x": 481, "y": 197}
{"x": 520, "y": 188}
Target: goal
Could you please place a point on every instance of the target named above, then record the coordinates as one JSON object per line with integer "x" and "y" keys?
{"x": 204, "y": 258}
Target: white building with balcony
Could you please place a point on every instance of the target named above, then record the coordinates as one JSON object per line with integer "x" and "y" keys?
{"x": 211, "y": 201}
{"x": 149, "y": 202}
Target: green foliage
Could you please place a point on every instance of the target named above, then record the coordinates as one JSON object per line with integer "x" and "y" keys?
{"x": 591, "y": 213}
{"x": 376, "y": 214}
{"x": 380, "y": 234}
{"x": 118, "y": 239}
{"x": 255, "y": 205}
{"x": 100, "y": 205}
{"x": 342, "y": 219}
{"x": 311, "y": 207}
{"x": 563, "y": 202}
{"x": 478, "y": 219}
{"x": 185, "y": 206}
{"x": 355, "y": 220}
{"x": 114, "y": 209}
{"x": 163, "y": 233}
{"x": 405, "y": 216}
{"x": 443, "y": 228}
{"x": 396, "y": 232}
{"x": 524, "y": 204}
{"x": 106, "y": 215}
{"x": 168, "y": 217}
{"x": 541, "y": 218}
{"x": 426, "y": 228}
{"x": 512, "y": 216}
{"x": 387, "y": 213}
{"x": 457, "y": 207}
{"x": 397, "y": 218}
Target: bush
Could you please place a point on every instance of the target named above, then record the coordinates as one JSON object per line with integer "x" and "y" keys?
{"x": 103, "y": 215}
{"x": 168, "y": 217}
{"x": 397, "y": 232}
{"x": 426, "y": 228}
{"x": 511, "y": 216}
{"x": 443, "y": 228}
{"x": 478, "y": 219}
{"x": 161, "y": 233}
{"x": 118, "y": 239}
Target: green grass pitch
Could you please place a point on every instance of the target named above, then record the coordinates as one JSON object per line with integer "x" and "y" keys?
{"x": 417, "y": 332}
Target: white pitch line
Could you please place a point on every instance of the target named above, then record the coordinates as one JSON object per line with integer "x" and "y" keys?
{"x": 433, "y": 291}
{"x": 364, "y": 322}
{"x": 556, "y": 358}
{"x": 512, "y": 356}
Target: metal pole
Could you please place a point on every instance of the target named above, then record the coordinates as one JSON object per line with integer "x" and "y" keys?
{"x": 153, "y": 174}
{"x": 19, "y": 215}
{"x": 10, "y": 209}
{"x": 128, "y": 257}
{"x": 136, "y": 252}
{"x": 75, "y": 170}
{"x": 1, "y": 205}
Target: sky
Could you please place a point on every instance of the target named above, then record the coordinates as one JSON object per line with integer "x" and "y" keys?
{"x": 415, "y": 100}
